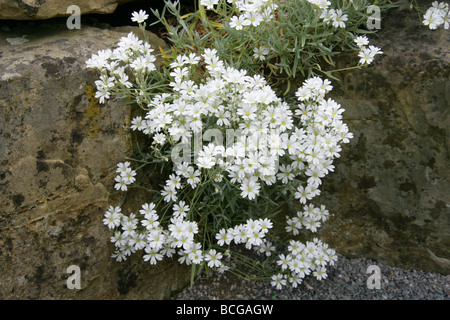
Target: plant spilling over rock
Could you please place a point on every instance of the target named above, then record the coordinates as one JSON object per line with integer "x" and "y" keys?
{"x": 232, "y": 151}
{"x": 280, "y": 39}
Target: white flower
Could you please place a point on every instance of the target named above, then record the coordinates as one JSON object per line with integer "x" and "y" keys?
{"x": 284, "y": 261}
{"x": 121, "y": 183}
{"x": 265, "y": 224}
{"x": 327, "y": 15}
{"x": 238, "y": 23}
{"x": 254, "y": 18}
{"x": 320, "y": 273}
{"x": 255, "y": 238}
{"x": 160, "y": 138}
{"x": 205, "y": 161}
{"x": 128, "y": 176}
{"x": 137, "y": 124}
{"x": 223, "y": 268}
{"x": 180, "y": 209}
{"x": 250, "y": 188}
{"x": 375, "y": 50}
{"x": 303, "y": 194}
{"x": 293, "y": 225}
{"x": 366, "y": 56}
{"x": 118, "y": 239}
{"x": 213, "y": 257}
{"x": 209, "y": 4}
{"x": 148, "y": 209}
{"x": 311, "y": 224}
{"x": 128, "y": 228}
{"x": 102, "y": 93}
{"x": 193, "y": 177}
{"x": 286, "y": 173}
{"x": 323, "y": 4}
{"x": 150, "y": 221}
{"x": 196, "y": 256}
{"x": 138, "y": 241}
{"x": 266, "y": 248}
{"x": 224, "y": 237}
{"x": 139, "y": 17}
{"x": 193, "y": 59}
{"x": 119, "y": 256}
{"x": 446, "y": 19}
{"x": 169, "y": 194}
{"x": 100, "y": 59}
{"x": 278, "y": 281}
{"x": 433, "y": 18}
{"x": 112, "y": 217}
{"x": 122, "y": 166}
{"x": 339, "y": 18}
{"x": 152, "y": 255}
{"x": 361, "y": 41}
{"x": 295, "y": 247}
{"x": 209, "y": 54}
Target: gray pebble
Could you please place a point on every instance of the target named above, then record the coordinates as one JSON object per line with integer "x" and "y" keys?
{"x": 347, "y": 280}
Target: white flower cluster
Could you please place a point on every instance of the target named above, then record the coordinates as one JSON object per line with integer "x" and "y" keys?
{"x": 131, "y": 54}
{"x": 322, "y": 133}
{"x": 273, "y": 144}
{"x": 438, "y": 14}
{"x": 302, "y": 260}
{"x": 252, "y": 234}
{"x": 229, "y": 98}
{"x": 252, "y": 12}
{"x": 146, "y": 233}
{"x": 336, "y": 17}
{"x": 366, "y": 52}
{"x": 311, "y": 218}
{"x": 125, "y": 177}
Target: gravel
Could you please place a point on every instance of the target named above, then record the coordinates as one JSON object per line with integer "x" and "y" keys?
{"x": 347, "y": 280}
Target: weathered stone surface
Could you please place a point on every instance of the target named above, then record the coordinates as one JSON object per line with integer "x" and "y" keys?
{"x": 58, "y": 154}
{"x": 390, "y": 191}
{"x": 45, "y": 9}
{"x": 59, "y": 147}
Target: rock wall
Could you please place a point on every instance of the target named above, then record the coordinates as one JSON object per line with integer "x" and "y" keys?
{"x": 58, "y": 154}
{"x": 390, "y": 190}
{"x": 45, "y": 9}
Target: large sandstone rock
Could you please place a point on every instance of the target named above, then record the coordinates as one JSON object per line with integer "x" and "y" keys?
{"x": 390, "y": 191}
{"x": 58, "y": 153}
{"x": 45, "y": 9}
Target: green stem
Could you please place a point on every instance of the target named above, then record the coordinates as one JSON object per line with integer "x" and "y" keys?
{"x": 345, "y": 69}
